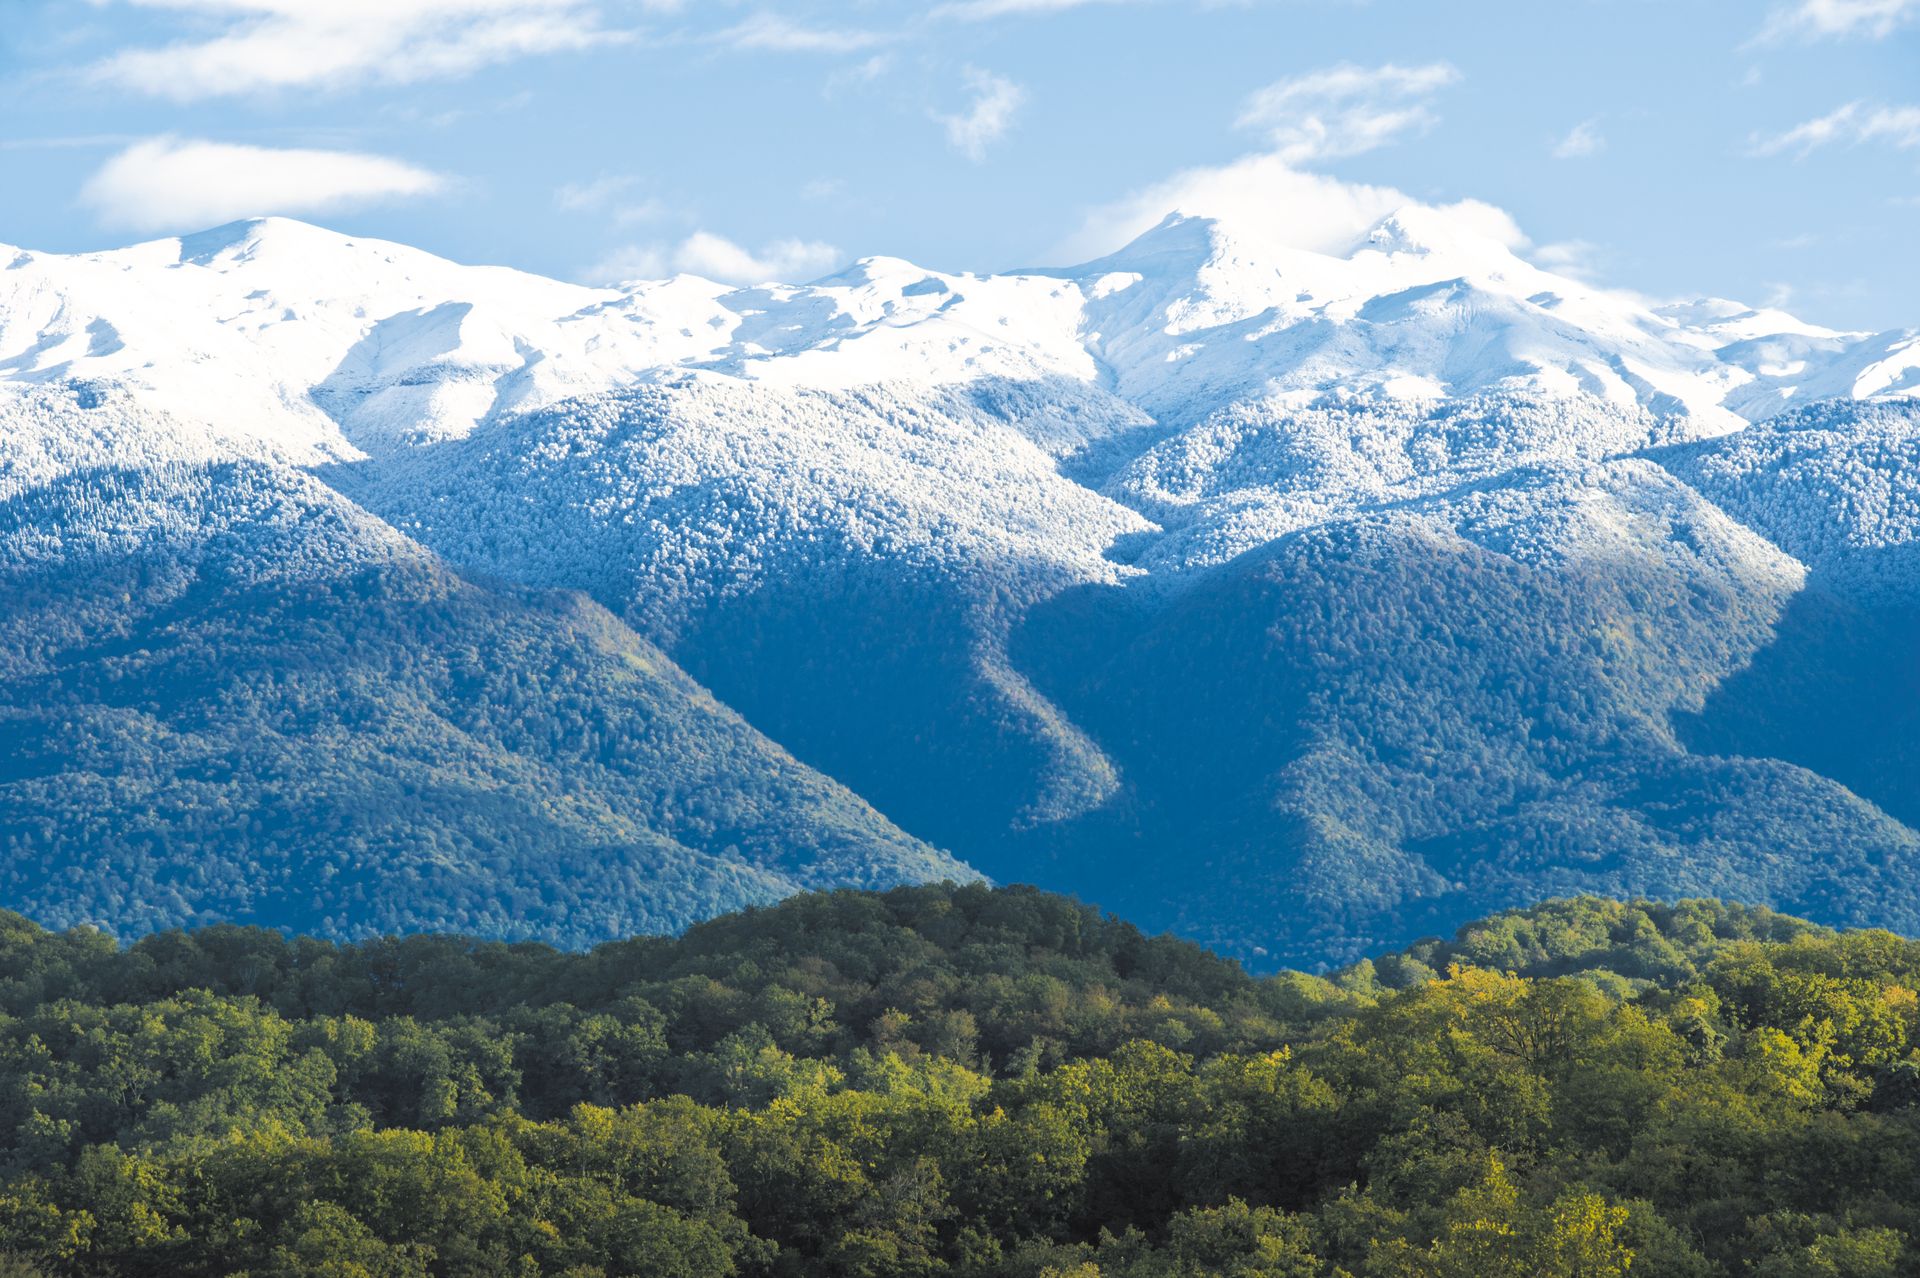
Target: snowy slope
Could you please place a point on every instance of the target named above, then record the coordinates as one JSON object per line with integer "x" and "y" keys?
{"x": 1835, "y": 485}
{"x": 314, "y": 346}
{"x": 295, "y": 342}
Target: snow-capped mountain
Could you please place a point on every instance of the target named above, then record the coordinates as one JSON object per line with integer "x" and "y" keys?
{"x": 1300, "y": 590}
{"x": 290, "y": 337}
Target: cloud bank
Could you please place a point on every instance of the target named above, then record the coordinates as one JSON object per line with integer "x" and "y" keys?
{"x": 172, "y": 184}
{"x": 1874, "y": 19}
{"x": 996, "y": 100}
{"x": 266, "y": 45}
{"x": 1346, "y": 110}
{"x": 1852, "y": 125}
{"x": 717, "y": 258}
{"x": 1267, "y": 201}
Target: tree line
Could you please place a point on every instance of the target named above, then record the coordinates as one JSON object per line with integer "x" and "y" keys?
{"x": 957, "y": 1080}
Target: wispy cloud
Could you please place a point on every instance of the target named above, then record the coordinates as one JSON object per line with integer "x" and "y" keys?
{"x": 1583, "y": 140}
{"x": 1266, "y": 200}
{"x": 718, "y": 258}
{"x": 69, "y": 142}
{"x": 771, "y": 32}
{"x": 177, "y": 184}
{"x": 613, "y": 196}
{"x": 1346, "y": 109}
{"x": 266, "y": 45}
{"x": 996, "y": 100}
{"x": 594, "y": 196}
{"x": 1852, "y": 125}
{"x": 980, "y": 10}
{"x": 863, "y": 72}
{"x": 628, "y": 263}
{"x": 1875, "y": 19}
{"x": 1575, "y": 259}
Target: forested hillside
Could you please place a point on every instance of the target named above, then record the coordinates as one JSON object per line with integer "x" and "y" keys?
{"x": 250, "y": 702}
{"x": 968, "y": 1081}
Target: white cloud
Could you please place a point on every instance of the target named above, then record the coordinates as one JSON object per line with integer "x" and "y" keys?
{"x": 264, "y": 45}
{"x": 1852, "y": 125}
{"x": 996, "y": 100}
{"x": 1346, "y": 109}
{"x": 704, "y": 253}
{"x": 180, "y": 184}
{"x": 718, "y": 258}
{"x": 1875, "y": 19}
{"x": 1269, "y": 202}
{"x": 1584, "y": 140}
{"x": 770, "y": 31}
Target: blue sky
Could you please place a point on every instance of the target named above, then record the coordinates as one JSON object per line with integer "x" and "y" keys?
{"x": 1768, "y": 152}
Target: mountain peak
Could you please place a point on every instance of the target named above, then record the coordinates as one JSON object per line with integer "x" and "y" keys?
{"x": 1286, "y": 285}
{"x": 290, "y": 247}
{"x": 218, "y": 239}
{"x": 884, "y": 271}
{"x": 1238, "y": 244}
{"x": 1468, "y": 229}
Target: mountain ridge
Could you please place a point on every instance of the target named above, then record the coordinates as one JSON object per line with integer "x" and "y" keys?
{"x": 376, "y": 312}
{"x": 1301, "y": 521}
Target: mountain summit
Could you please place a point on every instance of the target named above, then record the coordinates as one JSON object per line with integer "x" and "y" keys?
{"x": 326, "y": 344}
{"x": 1300, "y": 576}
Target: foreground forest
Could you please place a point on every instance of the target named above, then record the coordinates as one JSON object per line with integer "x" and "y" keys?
{"x": 966, "y": 1081}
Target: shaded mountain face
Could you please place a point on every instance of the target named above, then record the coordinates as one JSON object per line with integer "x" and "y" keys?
{"x": 1837, "y": 689}
{"x": 1303, "y": 598}
{"x": 235, "y": 696}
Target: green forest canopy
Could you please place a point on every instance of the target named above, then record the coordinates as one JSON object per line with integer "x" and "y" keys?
{"x": 966, "y": 1081}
